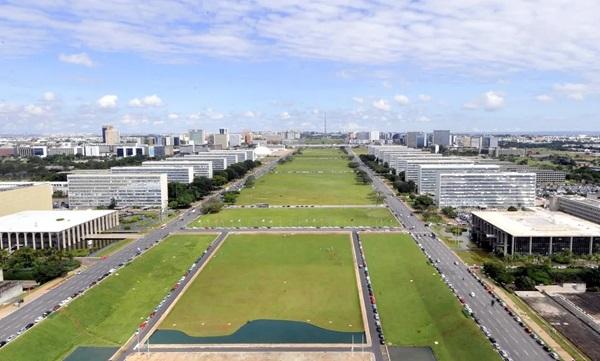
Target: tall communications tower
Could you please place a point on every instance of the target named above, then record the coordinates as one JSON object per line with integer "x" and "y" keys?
{"x": 325, "y": 123}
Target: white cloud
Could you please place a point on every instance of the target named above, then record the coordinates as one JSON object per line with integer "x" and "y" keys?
{"x": 249, "y": 114}
{"x": 147, "y": 101}
{"x": 424, "y": 97}
{"x": 359, "y": 100}
{"x": 402, "y": 99}
{"x": 173, "y": 116}
{"x": 423, "y": 119}
{"x": 31, "y": 109}
{"x": 78, "y": 59}
{"x": 108, "y": 101}
{"x": 544, "y": 98}
{"x": 493, "y": 100}
{"x": 49, "y": 96}
{"x": 575, "y": 91}
{"x": 284, "y": 115}
{"x": 471, "y": 105}
{"x": 490, "y": 100}
{"x": 467, "y": 34}
{"x": 382, "y": 104}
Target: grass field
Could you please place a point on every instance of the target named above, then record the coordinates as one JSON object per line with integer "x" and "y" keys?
{"x": 318, "y": 176}
{"x": 113, "y": 247}
{"x": 417, "y": 309}
{"x": 298, "y": 277}
{"x": 292, "y": 217}
{"x": 109, "y": 313}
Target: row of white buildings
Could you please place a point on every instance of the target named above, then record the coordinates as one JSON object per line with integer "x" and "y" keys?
{"x": 145, "y": 186}
{"x": 459, "y": 182}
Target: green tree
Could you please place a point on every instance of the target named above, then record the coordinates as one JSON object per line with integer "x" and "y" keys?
{"x": 212, "y": 206}
{"x": 449, "y": 212}
{"x": 250, "y": 181}
{"x": 423, "y": 202}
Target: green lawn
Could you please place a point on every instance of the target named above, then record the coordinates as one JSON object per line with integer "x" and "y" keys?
{"x": 417, "y": 309}
{"x": 318, "y": 176}
{"x": 113, "y": 247}
{"x": 109, "y": 313}
{"x": 302, "y": 277}
{"x": 292, "y": 217}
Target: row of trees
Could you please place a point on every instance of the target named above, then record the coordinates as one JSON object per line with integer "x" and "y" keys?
{"x": 41, "y": 265}
{"x": 51, "y": 168}
{"x": 526, "y": 277}
{"x": 183, "y": 195}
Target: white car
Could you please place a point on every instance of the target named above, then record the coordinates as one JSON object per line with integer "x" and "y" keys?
{"x": 472, "y": 294}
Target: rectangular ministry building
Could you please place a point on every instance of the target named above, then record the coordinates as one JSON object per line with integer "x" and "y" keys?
{"x": 200, "y": 168}
{"x": 175, "y": 174}
{"x": 486, "y": 190}
{"x": 537, "y": 231}
{"x": 127, "y": 190}
{"x": 53, "y": 229}
{"x": 428, "y": 173}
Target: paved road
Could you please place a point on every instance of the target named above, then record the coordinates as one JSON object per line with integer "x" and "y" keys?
{"x": 17, "y": 320}
{"x": 510, "y": 336}
{"x": 134, "y": 344}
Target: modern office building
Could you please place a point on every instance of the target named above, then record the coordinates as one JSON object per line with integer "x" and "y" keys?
{"x": 197, "y": 136}
{"x": 201, "y": 168}
{"x": 235, "y": 140}
{"x": 489, "y": 142}
{"x": 231, "y": 158}
{"x": 399, "y": 162}
{"x": 53, "y": 229}
{"x": 131, "y": 151}
{"x": 32, "y": 151}
{"x": 21, "y": 196}
{"x": 218, "y": 162}
{"x": 221, "y": 140}
{"x": 124, "y": 190}
{"x": 110, "y": 135}
{"x": 441, "y": 137}
{"x": 486, "y": 190}
{"x": 586, "y": 208}
{"x": 536, "y": 231}
{"x": 428, "y": 173}
{"x": 544, "y": 176}
{"x": 175, "y": 173}
{"x": 411, "y": 165}
{"x": 416, "y": 140}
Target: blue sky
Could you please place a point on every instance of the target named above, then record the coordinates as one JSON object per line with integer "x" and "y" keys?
{"x": 167, "y": 66}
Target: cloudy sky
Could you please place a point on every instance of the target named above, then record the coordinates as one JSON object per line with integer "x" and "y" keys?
{"x": 166, "y": 65}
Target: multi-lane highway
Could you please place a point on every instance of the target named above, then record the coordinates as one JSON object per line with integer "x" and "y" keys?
{"x": 510, "y": 336}
{"x": 16, "y": 322}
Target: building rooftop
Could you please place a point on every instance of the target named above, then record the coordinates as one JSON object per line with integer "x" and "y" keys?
{"x": 466, "y": 164}
{"x": 539, "y": 222}
{"x": 47, "y": 221}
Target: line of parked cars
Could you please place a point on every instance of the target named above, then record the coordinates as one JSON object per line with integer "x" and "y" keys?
{"x": 468, "y": 310}
{"x": 165, "y": 300}
{"x": 372, "y": 300}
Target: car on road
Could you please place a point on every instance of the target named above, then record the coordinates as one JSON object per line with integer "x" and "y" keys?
{"x": 472, "y": 294}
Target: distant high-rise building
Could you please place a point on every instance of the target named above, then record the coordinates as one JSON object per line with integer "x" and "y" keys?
{"x": 248, "y": 137}
{"x": 416, "y": 140}
{"x": 235, "y": 140}
{"x": 441, "y": 137}
{"x": 489, "y": 141}
{"x": 197, "y": 136}
{"x": 110, "y": 135}
{"x": 373, "y": 136}
{"x": 221, "y": 140}
{"x": 223, "y": 131}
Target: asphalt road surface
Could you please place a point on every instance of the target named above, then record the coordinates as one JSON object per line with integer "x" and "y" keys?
{"x": 25, "y": 315}
{"x": 511, "y": 337}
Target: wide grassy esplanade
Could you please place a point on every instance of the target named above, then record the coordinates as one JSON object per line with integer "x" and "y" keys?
{"x": 300, "y": 277}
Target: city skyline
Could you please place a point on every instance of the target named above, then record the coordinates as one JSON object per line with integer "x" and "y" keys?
{"x": 404, "y": 66}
